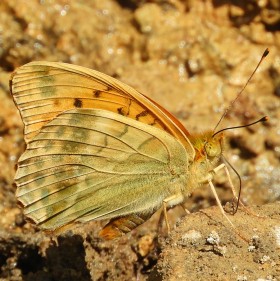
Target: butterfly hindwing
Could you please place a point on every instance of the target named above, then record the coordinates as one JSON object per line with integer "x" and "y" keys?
{"x": 95, "y": 164}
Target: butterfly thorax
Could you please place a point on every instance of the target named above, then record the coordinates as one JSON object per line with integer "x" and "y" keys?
{"x": 208, "y": 151}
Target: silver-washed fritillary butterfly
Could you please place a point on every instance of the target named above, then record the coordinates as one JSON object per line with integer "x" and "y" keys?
{"x": 98, "y": 149}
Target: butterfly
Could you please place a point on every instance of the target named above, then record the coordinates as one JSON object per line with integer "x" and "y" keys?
{"x": 98, "y": 149}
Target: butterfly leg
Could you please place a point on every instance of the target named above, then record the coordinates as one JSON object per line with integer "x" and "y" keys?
{"x": 236, "y": 196}
{"x": 222, "y": 166}
{"x": 219, "y": 202}
{"x": 185, "y": 209}
{"x": 223, "y": 212}
{"x": 168, "y": 202}
{"x": 164, "y": 204}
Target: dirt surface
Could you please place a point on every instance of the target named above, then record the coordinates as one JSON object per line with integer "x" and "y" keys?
{"x": 204, "y": 247}
{"x": 192, "y": 57}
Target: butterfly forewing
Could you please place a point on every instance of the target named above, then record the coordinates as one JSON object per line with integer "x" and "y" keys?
{"x": 96, "y": 164}
{"x": 42, "y": 90}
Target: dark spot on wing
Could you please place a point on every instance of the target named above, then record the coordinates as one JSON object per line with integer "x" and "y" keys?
{"x": 141, "y": 114}
{"x": 96, "y": 94}
{"x": 121, "y": 111}
{"x": 78, "y": 103}
{"x": 56, "y": 102}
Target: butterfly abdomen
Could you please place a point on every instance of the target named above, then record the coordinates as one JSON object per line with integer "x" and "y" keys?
{"x": 120, "y": 226}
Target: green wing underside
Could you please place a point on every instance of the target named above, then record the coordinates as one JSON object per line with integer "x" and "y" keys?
{"x": 95, "y": 164}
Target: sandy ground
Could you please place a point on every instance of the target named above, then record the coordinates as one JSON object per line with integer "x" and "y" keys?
{"x": 192, "y": 57}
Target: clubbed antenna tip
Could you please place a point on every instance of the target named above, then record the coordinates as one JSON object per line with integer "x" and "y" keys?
{"x": 265, "y": 53}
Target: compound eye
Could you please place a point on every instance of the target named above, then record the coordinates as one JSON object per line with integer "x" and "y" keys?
{"x": 213, "y": 148}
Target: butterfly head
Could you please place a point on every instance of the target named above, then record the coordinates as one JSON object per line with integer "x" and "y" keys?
{"x": 213, "y": 146}
{"x": 208, "y": 146}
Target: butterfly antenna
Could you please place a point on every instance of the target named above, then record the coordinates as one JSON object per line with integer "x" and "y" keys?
{"x": 265, "y": 53}
{"x": 263, "y": 119}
